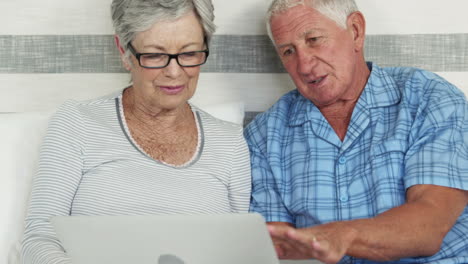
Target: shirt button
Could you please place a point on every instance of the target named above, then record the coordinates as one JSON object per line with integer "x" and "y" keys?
{"x": 342, "y": 160}
{"x": 344, "y": 198}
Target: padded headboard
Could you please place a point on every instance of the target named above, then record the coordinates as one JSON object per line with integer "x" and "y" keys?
{"x": 52, "y": 50}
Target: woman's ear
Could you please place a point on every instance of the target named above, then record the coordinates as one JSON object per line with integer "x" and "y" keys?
{"x": 123, "y": 57}
{"x": 357, "y": 24}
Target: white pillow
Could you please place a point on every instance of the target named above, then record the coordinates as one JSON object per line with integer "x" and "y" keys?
{"x": 21, "y": 135}
{"x": 231, "y": 111}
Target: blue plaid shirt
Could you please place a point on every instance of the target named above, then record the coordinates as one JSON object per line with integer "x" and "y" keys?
{"x": 409, "y": 127}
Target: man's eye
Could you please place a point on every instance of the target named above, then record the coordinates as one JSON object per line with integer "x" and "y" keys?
{"x": 287, "y": 52}
{"x": 313, "y": 39}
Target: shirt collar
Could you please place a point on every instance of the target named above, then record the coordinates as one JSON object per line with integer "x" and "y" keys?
{"x": 380, "y": 91}
{"x": 301, "y": 110}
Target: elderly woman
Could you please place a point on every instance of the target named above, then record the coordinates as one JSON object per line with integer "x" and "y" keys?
{"x": 145, "y": 149}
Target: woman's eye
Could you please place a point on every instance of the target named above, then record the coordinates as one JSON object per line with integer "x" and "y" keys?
{"x": 155, "y": 56}
{"x": 189, "y": 54}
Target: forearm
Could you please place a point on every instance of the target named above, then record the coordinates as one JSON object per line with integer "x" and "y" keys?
{"x": 53, "y": 191}
{"x": 393, "y": 235}
{"x": 42, "y": 252}
{"x": 416, "y": 228}
{"x": 40, "y": 245}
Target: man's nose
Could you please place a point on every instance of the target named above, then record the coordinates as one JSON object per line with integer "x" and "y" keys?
{"x": 306, "y": 61}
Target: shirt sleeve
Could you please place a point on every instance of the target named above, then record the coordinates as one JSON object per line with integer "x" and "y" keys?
{"x": 438, "y": 154}
{"x": 240, "y": 181}
{"x": 266, "y": 196}
{"x": 56, "y": 182}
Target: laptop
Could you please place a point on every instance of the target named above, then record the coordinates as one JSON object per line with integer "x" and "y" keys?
{"x": 166, "y": 239}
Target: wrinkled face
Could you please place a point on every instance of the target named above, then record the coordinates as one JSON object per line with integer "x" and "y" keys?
{"x": 170, "y": 87}
{"x": 319, "y": 55}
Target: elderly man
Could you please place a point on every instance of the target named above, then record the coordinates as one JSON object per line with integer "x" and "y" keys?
{"x": 359, "y": 164}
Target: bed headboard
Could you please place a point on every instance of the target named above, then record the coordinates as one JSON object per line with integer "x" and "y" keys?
{"x": 53, "y": 50}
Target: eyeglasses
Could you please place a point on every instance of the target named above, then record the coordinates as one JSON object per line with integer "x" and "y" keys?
{"x": 161, "y": 60}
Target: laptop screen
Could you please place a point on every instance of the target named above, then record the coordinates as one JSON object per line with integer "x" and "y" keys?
{"x": 166, "y": 239}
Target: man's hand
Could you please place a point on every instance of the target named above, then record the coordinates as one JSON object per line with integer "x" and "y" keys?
{"x": 327, "y": 243}
{"x": 416, "y": 228}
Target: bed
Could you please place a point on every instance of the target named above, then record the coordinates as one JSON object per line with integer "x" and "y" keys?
{"x": 53, "y": 50}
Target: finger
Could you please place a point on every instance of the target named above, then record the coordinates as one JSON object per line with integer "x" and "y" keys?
{"x": 272, "y": 230}
{"x": 284, "y": 243}
{"x": 279, "y": 250}
{"x": 279, "y": 233}
{"x": 319, "y": 249}
{"x": 301, "y": 237}
{"x": 278, "y": 230}
{"x": 309, "y": 246}
{"x": 280, "y": 242}
{"x": 278, "y": 238}
{"x": 285, "y": 248}
{"x": 301, "y": 244}
{"x": 288, "y": 248}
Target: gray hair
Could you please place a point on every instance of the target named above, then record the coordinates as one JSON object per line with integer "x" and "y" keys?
{"x": 130, "y": 17}
{"x": 336, "y": 10}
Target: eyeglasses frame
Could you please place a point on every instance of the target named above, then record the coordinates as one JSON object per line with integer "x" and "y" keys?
{"x": 171, "y": 56}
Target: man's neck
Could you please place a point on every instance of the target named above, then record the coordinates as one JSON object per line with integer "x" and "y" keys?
{"x": 339, "y": 117}
{"x": 339, "y": 113}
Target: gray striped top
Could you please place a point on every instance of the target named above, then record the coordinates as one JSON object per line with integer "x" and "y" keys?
{"x": 90, "y": 165}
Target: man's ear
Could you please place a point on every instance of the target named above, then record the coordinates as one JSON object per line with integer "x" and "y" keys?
{"x": 124, "y": 59}
{"x": 357, "y": 24}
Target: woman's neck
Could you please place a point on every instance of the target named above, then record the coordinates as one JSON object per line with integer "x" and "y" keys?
{"x": 138, "y": 110}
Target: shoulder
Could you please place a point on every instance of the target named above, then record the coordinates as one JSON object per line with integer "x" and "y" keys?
{"x": 430, "y": 96}
{"x": 87, "y": 107}
{"x": 222, "y": 139}
{"x": 74, "y": 113}
{"x": 215, "y": 126}
{"x": 424, "y": 84}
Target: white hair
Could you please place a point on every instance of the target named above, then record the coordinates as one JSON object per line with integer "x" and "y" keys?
{"x": 130, "y": 17}
{"x": 336, "y": 10}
